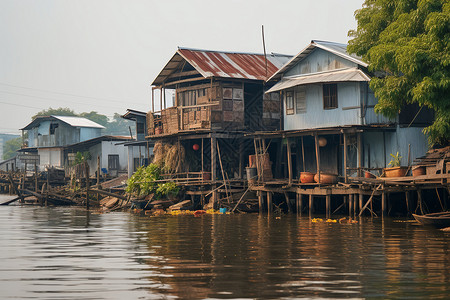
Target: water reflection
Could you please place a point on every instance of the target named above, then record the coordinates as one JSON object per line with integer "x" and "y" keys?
{"x": 66, "y": 253}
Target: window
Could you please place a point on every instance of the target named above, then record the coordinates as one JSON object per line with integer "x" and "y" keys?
{"x": 53, "y": 126}
{"x": 300, "y": 102}
{"x": 113, "y": 162}
{"x": 289, "y": 103}
{"x": 330, "y": 100}
{"x": 140, "y": 128}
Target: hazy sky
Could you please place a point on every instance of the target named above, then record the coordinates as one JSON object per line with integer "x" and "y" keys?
{"x": 102, "y": 55}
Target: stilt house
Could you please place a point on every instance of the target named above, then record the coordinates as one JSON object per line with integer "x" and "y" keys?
{"x": 217, "y": 98}
{"x": 329, "y": 123}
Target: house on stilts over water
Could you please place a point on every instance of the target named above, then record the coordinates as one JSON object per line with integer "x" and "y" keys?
{"x": 329, "y": 127}
{"x": 203, "y": 105}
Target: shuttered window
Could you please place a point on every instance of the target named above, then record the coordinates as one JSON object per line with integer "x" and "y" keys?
{"x": 330, "y": 99}
{"x": 289, "y": 103}
{"x": 113, "y": 162}
{"x": 300, "y": 102}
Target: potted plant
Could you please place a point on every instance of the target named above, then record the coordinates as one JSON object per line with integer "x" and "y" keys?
{"x": 395, "y": 169}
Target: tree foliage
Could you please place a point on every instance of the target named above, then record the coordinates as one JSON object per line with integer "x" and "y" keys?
{"x": 55, "y": 112}
{"x": 10, "y": 147}
{"x": 410, "y": 41}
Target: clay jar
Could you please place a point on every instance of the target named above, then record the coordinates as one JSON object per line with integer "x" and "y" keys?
{"x": 307, "y": 177}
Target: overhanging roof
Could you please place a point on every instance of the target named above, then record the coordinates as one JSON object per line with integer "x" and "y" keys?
{"x": 222, "y": 64}
{"x": 341, "y": 75}
{"x": 335, "y": 48}
{"x": 132, "y": 114}
{"x": 91, "y": 142}
{"x": 72, "y": 121}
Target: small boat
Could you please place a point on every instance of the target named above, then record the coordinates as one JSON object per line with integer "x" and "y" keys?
{"x": 439, "y": 220}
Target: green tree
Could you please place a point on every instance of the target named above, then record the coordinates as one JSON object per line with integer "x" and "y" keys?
{"x": 96, "y": 117}
{"x": 119, "y": 126}
{"x": 409, "y": 41}
{"x": 55, "y": 112}
{"x": 10, "y": 147}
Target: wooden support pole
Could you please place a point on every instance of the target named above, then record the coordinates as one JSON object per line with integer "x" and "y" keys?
{"x": 241, "y": 158}
{"x": 419, "y": 200}
{"x": 360, "y": 153}
{"x": 361, "y": 202}
{"x": 98, "y": 175}
{"x": 350, "y": 205}
{"x": 345, "y": 158}
{"x": 311, "y": 205}
{"x": 269, "y": 202}
{"x": 87, "y": 184}
{"x": 316, "y": 139}
{"x": 327, "y": 205}
{"x": 383, "y": 202}
{"x": 408, "y": 204}
{"x": 288, "y": 202}
{"x": 303, "y": 155}
{"x": 35, "y": 177}
{"x": 213, "y": 166}
{"x": 299, "y": 203}
{"x": 260, "y": 201}
{"x": 289, "y": 160}
{"x": 202, "y": 158}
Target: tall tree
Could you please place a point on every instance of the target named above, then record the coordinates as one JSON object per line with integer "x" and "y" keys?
{"x": 10, "y": 147}
{"x": 410, "y": 41}
{"x": 96, "y": 117}
{"x": 55, "y": 112}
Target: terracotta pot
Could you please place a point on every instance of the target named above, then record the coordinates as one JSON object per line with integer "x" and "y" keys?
{"x": 419, "y": 170}
{"x": 326, "y": 178}
{"x": 367, "y": 174}
{"x": 395, "y": 171}
{"x": 307, "y": 177}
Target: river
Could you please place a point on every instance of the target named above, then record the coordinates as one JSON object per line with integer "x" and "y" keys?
{"x": 69, "y": 253}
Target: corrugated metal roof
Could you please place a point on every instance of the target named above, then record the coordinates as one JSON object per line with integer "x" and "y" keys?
{"x": 224, "y": 64}
{"x": 349, "y": 74}
{"x": 78, "y": 122}
{"x": 72, "y": 121}
{"x": 336, "y": 48}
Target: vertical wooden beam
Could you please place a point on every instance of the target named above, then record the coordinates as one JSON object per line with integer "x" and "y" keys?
{"x": 153, "y": 100}
{"x": 383, "y": 201}
{"x": 299, "y": 203}
{"x": 288, "y": 202}
{"x": 303, "y": 156}
{"x": 241, "y": 158}
{"x": 311, "y": 205}
{"x": 289, "y": 160}
{"x": 160, "y": 99}
{"x": 260, "y": 201}
{"x": 361, "y": 201}
{"x": 316, "y": 139}
{"x": 327, "y": 205}
{"x": 345, "y": 158}
{"x": 269, "y": 202}
{"x": 360, "y": 153}
{"x": 408, "y": 204}
{"x": 87, "y": 183}
{"x": 203, "y": 169}
{"x": 98, "y": 176}
{"x": 213, "y": 167}
{"x": 36, "y": 178}
{"x": 419, "y": 200}
{"x": 350, "y": 205}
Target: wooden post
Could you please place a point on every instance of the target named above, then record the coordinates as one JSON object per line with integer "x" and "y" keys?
{"x": 360, "y": 153}
{"x": 419, "y": 200}
{"x": 203, "y": 169}
{"x": 327, "y": 205}
{"x": 311, "y": 204}
{"x": 350, "y": 205}
{"x": 345, "y": 158}
{"x": 361, "y": 201}
{"x": 408, "y": 204}
{"x": 24, "y": 176}
{"x": 303, "y": 156}
{"x": 383, "y": 201}
{"x": 260, "y": 201}
{"x": 316, "y": 138}
{"x": 269, "y": 202}
{"x": 87, "y": 184}
{"x": 35, "y": 177}
{"x": 299, "y": 203}
{"x": 241, "y": 158}
{"x": 213, "y": 157}
{"x": 98, "y": 175}
{"x": 288, "y": 201}
{"x": 289, "y": 159}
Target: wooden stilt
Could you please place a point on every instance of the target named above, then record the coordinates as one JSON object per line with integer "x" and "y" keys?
{"x": 350, "y": 205}
{"x": 269, "y": 202}
{"x": 316, "y": 138}
{"x": 419, "y": 200}
{"x": 345, "y": 157}
{"x": 327, "y": 205}
{"x": 408, "y": 204}
{"x": 361, "y": 202}
{"x": 260, "y": 201}
{"x": 289, "y": 160}
{"x": 87, "y": 184}
{"x": 383, "y": 202}
{"x": 311, "y": 205}
{"x": 299, "y": 203}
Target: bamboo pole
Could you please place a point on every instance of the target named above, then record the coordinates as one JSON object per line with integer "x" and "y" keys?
{"x": 316, "y": 139}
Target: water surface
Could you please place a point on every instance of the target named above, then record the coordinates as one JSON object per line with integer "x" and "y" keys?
{"x": 68, "y": 253}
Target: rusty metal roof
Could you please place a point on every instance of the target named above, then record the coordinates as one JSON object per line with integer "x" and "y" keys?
{"x": 224, "y": 64}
